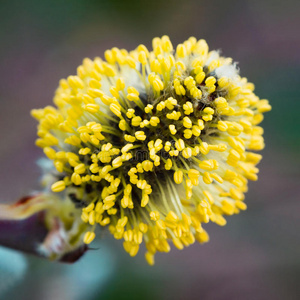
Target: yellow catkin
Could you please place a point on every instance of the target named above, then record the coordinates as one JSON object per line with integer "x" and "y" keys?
{"x": 153, "y": 143}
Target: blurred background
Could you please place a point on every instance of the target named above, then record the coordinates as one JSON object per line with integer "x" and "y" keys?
{"x": 256, "y": 256}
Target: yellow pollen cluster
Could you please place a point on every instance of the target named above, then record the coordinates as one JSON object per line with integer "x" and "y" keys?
{"x": 154, "y": 143}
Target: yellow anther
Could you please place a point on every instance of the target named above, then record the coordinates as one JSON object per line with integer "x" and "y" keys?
{"x": 157, "y": 161}
{"x": 114, "y": 92}
{"x": 130, "y": 113}
{"x": 148, "y": 108}
{"x": 58, "y": 186}
{"x": 105, "y": 221}
{"x": 167, "y": 63}
{"x": 110, "y": 58}
{"x": 94, "y": 84}
{"x": 94, "y": 140}
{"x": 140, "y": 135}
{"x": 263, "y": 106}
{"x": 129, "y": 138}
{"x": 158, "y": 145}
{"x": 161, "y": 224}
{"x": 154, "y": 215}
{"x": 204, "y": 148}
{"x": 120, "y": 84}
{"x": 133, "y": 97}
{"x": 189, "y": 82}
{"x": 50, "y": 152}
{"x": 83, "y": 129}
{"x": 172, "y": 129}
{"x": 201, "y": 124}
{"x": 179, "y": 65}
{"x": 76, "y": 179}
{"x": 149, "y": 258}
{"x": 207, "y": 178}
{"x": 131, "y": 62}
{"x": 246, "y": 125}
{"x": 144, "y": 123}
{"x": 208, "y": 110}
{"x": 116, "y": 109}
{"x": 160, "y": 106}
{"x": 178, "y": 176}
{"x": 142, "y": 57}
{"x": 174, "y": 152}
{"x": 166, "y": 44}
{"x": 132, "y": 90}
{"x": 123, "y": 125}
{"x": 92, "y": 218}
{"x": 181, "y": 51}
{"x": 210, "y": 81}
{"x": 207, "y": 165}
{"x": 168, "y": 164}
{"x": 180, "y": 145}
{"x": 253, "y": 157}
{"x": 89, "y": 208}
{"x": 75, "y": 82}
{"x": 122, "y": 222}
{"x": 109, "y": 70}
{"x": 222, "y": 126}
{"x": 71, "y": 155}
{"x": 217, "y": 177}
{"x": 241, "y": 205}
{"x": 93, "y": 93}
{"x": 187, "y": 133}
{"x": 145, "y": 200}
{"x": 147, "y": 165}
{"x": 94, "y": 168}
{"x": 221, "y": 103}
{"x": 208, "y": 196}
{"x": 235, "y": 129}
{"x": 192, "y": 173}
{"x": 196, "y": 130}
{"x": 117, "y": 162}
{"x": 136, "y": 121}
{"x": 200, "y": 77}
{"x": 155, "y": 66}
{"x": 143, "y": 48}
{"x": 80, "y": 169}
{"x": 188, "y": 108}
{"x": 233, "y": 157}
{"x": 89, "y": 237}
{"x": 85, "y": 217}
{"x": 187, "y": 152}
{"x": 50, "y": 140}
{"x": 170, "y": 103}
{"x": 154, "y": 121}
{"x": 91, "y": 108}
{"x": 126, "y": 148}
{"x": 202, "y": 236}
{"x": 143, "y": 227}
{"x": 157, "y": 84}
{"x": 106, "y": 147}
{"x": 105, "y": 99}
{"x": 110, "y": 198}
{"x": 84, "y": 151}
{"x": 37, "y": 113}
{"x": 223, "y": 82}
{"x": 187, "y": 123}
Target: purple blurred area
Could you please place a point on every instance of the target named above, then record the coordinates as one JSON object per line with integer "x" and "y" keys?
{"x": 256, "y": 255}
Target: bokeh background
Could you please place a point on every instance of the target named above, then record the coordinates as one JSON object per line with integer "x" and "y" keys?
{"x": 256, "y": 256}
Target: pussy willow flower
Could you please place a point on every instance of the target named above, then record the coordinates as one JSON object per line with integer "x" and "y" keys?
{"x": 153, "y": 144}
